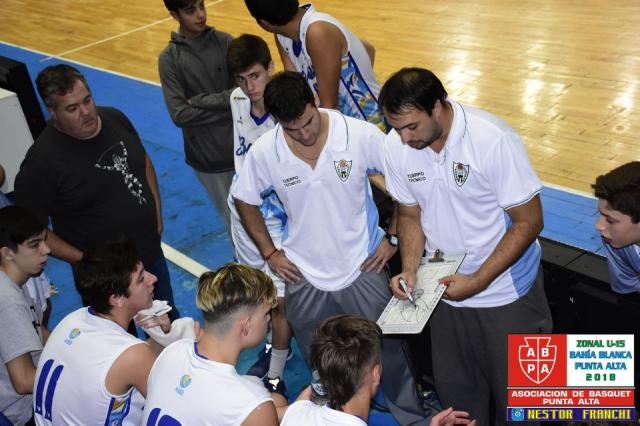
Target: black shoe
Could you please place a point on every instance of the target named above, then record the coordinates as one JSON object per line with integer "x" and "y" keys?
{"x": 276, "y": 386}
{"x": 430, "y": 402}
{"x": 260, "y": 368}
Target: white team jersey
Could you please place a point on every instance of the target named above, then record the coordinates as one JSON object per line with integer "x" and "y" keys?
{"x": 246, "y": 130}
{"x": 309, "y": 414}
{"x": 332, "y": 220}
{"x": 69, "y": 386}
{"x": 358, "y": 88}
{"x": 185, "y": 388}
{"x": 464, "y": 193}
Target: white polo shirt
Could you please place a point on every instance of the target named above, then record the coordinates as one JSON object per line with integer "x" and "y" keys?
{"x": 332, "y": 219}
{"x": 464, "y": 193}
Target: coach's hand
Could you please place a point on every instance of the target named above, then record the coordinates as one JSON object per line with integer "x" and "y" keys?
{"x": 409, "y": 277}
{"x": 284, "y": 268}
{"x": 461, "y": 286}
{"x": 449, "y": 417}
{"x": 380, "y": 258}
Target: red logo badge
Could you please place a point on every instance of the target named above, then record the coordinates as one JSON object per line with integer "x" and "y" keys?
{"x": 537, "y": 358}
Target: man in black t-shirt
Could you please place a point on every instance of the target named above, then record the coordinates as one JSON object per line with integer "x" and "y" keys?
{"x": 90, "y": 174}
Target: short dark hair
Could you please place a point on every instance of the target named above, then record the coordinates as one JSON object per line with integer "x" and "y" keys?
{"x": 287, "y": 95}
{"x": 105, "y": 270}
{"x": 57, "y": 80}
{"x": 275, "y": 12}
{"x": 621, "y": 189}
{"x": 411, "y": 87}
{"x": 176, "y": 5}
{"x": 245, "y": 51}
{"x": 343, "y": 350}
{"x": 231, "y": 289}
{"x": 17, "y": 225}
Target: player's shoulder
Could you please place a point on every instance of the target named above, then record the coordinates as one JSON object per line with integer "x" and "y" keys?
{"x": 11, "y": 295}
{"x": 266, "y": 144}
{"x": 111, "y": 113}
{"x": 252, "y": 387}
{"x": 139, "y": 353}
{"x": 238, "y": 97}
{"x": 486, "y": 121}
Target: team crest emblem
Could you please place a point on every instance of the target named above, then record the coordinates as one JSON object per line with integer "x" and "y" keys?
{"x": 537, "y": 358}
{"x": 343, "y": 169}
{"x": 460, "y": 173}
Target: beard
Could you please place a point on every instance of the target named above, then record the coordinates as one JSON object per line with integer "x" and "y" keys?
{"x": 424, "y": 143}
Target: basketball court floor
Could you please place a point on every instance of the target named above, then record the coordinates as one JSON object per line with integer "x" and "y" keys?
{"x": 563, "y": 74}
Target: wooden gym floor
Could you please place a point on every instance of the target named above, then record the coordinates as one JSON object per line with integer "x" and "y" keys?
{"x": 565, "y": 74}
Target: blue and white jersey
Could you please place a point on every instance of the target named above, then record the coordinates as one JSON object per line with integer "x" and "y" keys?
{"x": 186, "y": 388}
{"x": 247, "y": 128}
{"x": 359, "y": 89}
{"x": 332, "y": 220}
{"x": 246, "y": 131}
{"x": 464, "y": 193}
{"x": 624, "y": 268}
{"x": 69, "y": 386}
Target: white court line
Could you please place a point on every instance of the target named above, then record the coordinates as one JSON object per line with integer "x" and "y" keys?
{"x": 144, "y": 27}
{"x": 569, "y": 190}
{"x": 119, "y": 74}
{"x": 184, "y": 261}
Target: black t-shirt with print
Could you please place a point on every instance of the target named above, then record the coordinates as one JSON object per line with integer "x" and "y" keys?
{"x": 93, "y": 190}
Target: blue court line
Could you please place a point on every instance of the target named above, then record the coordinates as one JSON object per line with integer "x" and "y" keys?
{"x": 193, "y": 227}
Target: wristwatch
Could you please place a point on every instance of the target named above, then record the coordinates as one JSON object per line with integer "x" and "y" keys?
{"x": 393, "y": 239}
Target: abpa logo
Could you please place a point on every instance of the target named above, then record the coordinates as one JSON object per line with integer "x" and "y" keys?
{"x": 537, "y": 358}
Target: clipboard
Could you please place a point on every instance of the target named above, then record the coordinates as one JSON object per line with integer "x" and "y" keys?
{"x": 400, "y": 316}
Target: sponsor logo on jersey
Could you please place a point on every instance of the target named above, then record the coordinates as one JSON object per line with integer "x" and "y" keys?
{"x": 72, "y": 335}
{"x": 460, "y": 173}
{"x": 184, "y": 383}
{"x": 243, "y": 148}
{"x": 343, "y": 169}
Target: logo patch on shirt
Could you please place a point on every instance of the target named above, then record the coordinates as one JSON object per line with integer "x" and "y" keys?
{"x": 343, "y": 169}
{"x": 184, "y": 382}
{"x": 72, "y": 335}
{"x": 460, "y": 173}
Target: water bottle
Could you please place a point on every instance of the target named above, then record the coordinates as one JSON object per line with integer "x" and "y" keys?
{"x": 318, "y": 394}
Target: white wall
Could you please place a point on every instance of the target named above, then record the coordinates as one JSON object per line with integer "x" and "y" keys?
{"x": 15, "y": 137}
